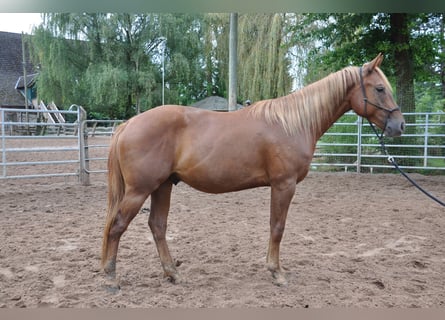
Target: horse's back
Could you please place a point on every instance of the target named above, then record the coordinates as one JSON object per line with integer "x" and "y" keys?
{"x": 199, "y": 147}
{"x": 211, "y": 151}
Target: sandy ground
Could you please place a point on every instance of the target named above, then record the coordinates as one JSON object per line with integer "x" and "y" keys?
{"x": 351, "y": 240}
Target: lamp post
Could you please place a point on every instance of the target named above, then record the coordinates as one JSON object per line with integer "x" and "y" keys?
{"x": 164, "y": 42}
{"x": 233, "y": 44}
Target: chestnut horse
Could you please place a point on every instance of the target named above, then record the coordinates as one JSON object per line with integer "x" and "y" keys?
{"x": 270, "y": 143}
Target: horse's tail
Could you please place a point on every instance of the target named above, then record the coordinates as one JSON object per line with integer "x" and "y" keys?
{"x": 116, "y": 189}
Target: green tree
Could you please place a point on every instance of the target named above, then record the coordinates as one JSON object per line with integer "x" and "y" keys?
{"x": 185, "y": 73}
{"x": 412, "y": 44}
{"x": 127, "y": 42}
{"x": 110, "y": 63}
{"x": 216, "y": 53}
{"x": 441, "y": 51}
{"x": 61, "y": 66}
{"x": 264, "y": 63}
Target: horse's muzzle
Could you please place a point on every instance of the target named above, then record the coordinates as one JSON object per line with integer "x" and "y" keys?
{"x": 394, "y": 128}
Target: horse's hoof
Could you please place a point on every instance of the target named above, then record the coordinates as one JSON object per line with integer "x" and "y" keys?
{"x": 113, "y": 288}
{"x": 175, "y": 279}
{"x": 111, "y": 285}
{"x": 279, "y": 280}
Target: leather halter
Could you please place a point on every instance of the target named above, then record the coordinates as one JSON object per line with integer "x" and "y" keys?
{"x": 365, "y": 98}
{"x": 366, "y": 101}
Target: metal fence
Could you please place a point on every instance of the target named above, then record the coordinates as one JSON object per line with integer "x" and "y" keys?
{"x": 34, "y": 148}
{"x": 351, "y": 145}
{"x": 78, "y": 147}
{"x": 97, "y": 134}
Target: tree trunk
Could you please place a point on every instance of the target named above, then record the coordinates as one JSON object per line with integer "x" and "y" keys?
{"x": 442, "y": 53}
{"x": 403, "y": 57}
{"x": 404, "y": 73}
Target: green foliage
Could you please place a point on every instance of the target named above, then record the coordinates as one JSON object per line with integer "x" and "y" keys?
{"x": 344, "y": 135}
{"x": 429, "y": 98}
{"x": 111, "y": 63}
{"x": 264, "y": 68}
{"x": 338, "y": 39}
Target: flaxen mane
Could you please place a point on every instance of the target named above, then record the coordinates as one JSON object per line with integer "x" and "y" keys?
{"x": 303, "y": 110}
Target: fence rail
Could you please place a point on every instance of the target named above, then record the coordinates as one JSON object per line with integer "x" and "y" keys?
{"x": 94, "y": 159}
{"x": 31, "y": 148}
{"x": 35, "y": 148}
{"x": 351, "y": 145}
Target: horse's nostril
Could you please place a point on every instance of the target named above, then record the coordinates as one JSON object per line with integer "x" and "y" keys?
{"x": 402, "y": 126}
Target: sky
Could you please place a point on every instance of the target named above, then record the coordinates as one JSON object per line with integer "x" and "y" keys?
{"x": 19, "y": 22}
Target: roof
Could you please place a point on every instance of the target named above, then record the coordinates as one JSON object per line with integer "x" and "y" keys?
{"x": 11, "y": 69}
{"x": 214, "y": 103}
{"x": 30, "y": 81}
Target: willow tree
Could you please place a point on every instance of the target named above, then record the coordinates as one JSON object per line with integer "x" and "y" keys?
{"x": 263, "y": 63}
{"x": 216, "y": 53}
{"x": 263, "y": 70}
{"x": 124, "y": 77}
{"x": 100, "y": 61}
{"x": 111, "y": 63}
{"x": 61, "y": 62}
{"x": 184, "y": 72}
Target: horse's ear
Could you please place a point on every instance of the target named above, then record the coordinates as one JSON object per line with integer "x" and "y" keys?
{"x": 370, "y": 66}
{"x": 378, "y": 60}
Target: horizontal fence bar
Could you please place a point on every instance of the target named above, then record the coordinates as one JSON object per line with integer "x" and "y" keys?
{"x": 29, "y": 163}
{"x": 45, "y": 175}
{"x": 91, "y": 146}
{"x": 23, "y": 124}
{"x": 46, "y": 137}
{"x": 345, "y": 140}
{"x": 96, "y": 159}
{"x": 15, "y": 110}
{"x": 347, "y": 144}
{"x": 96, "y": 171}
{"x": 43, "y": 149}
{"x": 337, "y": 154}
{"x": 389, "y": 166}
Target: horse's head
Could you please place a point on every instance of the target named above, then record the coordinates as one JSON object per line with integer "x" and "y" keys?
{"x": 372, "y": 98}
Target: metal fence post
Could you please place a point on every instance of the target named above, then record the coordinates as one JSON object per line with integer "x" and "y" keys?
{"x": 359, "y": 143}
{"x": 84, "y": 175}
{"x": 2, "y": 118}
{"x": 425, "y": 142}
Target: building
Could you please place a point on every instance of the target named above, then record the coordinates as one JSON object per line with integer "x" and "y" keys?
{"x": 214, "y": 103}
{"x": 11, "y": 72}
{"x": 12, "y": 85}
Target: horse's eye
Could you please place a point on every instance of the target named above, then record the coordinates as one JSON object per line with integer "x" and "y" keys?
{"x": 380, "y": 89}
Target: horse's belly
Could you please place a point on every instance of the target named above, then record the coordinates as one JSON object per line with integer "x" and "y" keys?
{"x": 222, "y": 179}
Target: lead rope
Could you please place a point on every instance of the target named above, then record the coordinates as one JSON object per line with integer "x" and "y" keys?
{"x": 394, "y": 163}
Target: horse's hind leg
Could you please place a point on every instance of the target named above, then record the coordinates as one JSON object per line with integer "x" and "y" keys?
{"x": 128, "y": 209}
{"x": 160, "y": 205}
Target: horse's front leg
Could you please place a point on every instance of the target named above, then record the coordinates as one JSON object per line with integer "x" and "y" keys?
{"x": 281, "y": 196}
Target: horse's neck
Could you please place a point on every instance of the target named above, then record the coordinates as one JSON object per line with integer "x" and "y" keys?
{"x": 331, "y": 99}
{"x": 337, "y": 112}
{"x": 327, "y": 117}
